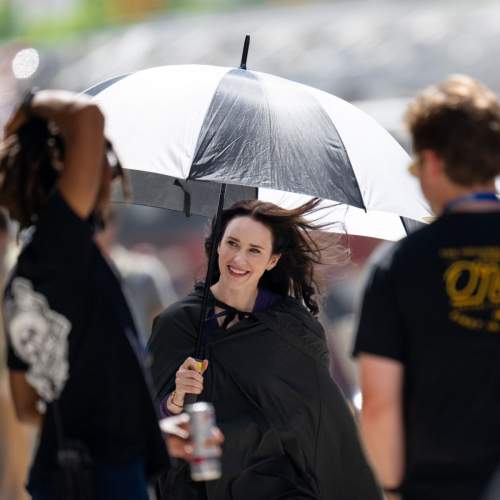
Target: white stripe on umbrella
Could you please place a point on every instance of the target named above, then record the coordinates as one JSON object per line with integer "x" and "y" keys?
{"x": 181, "y": 96}
{"x": 374, "y": 224}
{"x": 388, "y": 189}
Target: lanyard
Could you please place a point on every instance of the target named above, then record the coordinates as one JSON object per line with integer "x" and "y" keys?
{"x": 482, "y": 197}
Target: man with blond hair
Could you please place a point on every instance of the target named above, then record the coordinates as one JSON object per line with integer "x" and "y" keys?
{"x": 428, "y": 339}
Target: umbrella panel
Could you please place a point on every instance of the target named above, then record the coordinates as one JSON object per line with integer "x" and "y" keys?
{"x": 191, "y": 197}
{"x": 272, "y": 133}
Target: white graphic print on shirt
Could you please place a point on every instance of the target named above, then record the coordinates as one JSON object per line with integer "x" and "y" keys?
{"x": 39, "y": 337}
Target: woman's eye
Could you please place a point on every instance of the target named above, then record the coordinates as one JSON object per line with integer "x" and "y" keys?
{"x": 231, "y": 243}
{"x": 254, "y": 250}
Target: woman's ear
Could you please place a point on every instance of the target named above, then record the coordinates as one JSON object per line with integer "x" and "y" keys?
{"x": 218, "y": 247}
{"x": 273, "y": 261}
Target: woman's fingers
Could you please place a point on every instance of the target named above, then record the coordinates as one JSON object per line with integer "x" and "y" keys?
{"x": 190, "y": 363}
{"x": 177, "y": 425}
{"x": 177, "y": 435}
{"x": 217, "y": 433}
{"x": 204, "y": 366}
{"x": 189, "y": 374}
{"x": 188, "y": 379}
{"x": 182, "y": 388}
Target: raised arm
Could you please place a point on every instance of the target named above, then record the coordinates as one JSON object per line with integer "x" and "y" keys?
{"x": 25, "y": 399}
{"x": 81, "y": 125}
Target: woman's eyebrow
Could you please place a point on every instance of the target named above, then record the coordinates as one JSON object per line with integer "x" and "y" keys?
{"x": 251, "y": 244}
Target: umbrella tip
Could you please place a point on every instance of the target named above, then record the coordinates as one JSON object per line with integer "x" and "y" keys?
{"x": 245, "y": 53}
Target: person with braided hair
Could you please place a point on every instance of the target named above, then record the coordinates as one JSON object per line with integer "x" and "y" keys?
{"x": 76, "y": 364}
{"x": 289, "y": 432}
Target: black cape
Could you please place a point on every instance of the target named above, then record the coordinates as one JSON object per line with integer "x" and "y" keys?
{"x": 289, "y": 432}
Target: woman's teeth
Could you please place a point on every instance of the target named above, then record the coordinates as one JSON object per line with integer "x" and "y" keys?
{"x": 236, "y": 271}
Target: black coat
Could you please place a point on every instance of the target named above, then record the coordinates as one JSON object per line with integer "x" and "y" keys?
{"x": 289, "y": 432}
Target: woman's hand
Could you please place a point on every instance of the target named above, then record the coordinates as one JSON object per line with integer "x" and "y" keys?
{"x": 176, "y": 430}
{"x": 187, "y": 380}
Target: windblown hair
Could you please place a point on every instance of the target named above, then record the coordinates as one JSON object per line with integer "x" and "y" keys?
{"x": 30, "y": 163}
{"x": 308, "y": 252}
{"x": 459, "y": 120}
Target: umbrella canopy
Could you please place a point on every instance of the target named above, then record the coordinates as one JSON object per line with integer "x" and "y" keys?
{"x": 182, "y": 130}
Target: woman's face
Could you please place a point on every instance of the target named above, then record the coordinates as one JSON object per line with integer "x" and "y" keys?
{"x": 245, "y": 253}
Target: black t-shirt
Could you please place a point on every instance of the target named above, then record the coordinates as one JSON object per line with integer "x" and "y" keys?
{"x": 432, "y": 302}
{"x": 70, "y": 328}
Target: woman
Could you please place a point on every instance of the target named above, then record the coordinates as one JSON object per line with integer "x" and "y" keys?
{"x": 76, "y": 368}
{"x": 289, "y": 432}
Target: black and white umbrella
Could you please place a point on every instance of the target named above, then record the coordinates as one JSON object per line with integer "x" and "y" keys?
{"x": 183, "y": 130}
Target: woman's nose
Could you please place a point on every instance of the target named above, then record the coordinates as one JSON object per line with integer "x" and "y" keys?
{"x": 240, "y": 256}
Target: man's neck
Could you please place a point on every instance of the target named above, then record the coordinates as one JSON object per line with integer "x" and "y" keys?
{"x": 455, "y": 192}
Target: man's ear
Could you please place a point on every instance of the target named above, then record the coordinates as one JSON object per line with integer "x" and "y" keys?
{"x": 432, "y": 162}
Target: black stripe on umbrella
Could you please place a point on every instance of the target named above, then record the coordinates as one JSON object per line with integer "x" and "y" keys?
{"x": 411, "y": 225}
{"x": 298, "y": 150}
{"x": 191, "y": 197}
{"x": 96, "y": 89}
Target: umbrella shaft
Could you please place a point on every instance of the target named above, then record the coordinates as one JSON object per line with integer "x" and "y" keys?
{"x": 210, "y": 270}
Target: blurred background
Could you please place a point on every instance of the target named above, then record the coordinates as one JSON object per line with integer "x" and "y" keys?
{"x": 375, "y": 54}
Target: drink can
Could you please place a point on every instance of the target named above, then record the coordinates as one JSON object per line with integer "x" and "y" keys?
{"x": 205, "y": 463}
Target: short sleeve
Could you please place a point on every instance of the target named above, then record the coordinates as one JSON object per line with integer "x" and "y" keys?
{"x": 380, "y": 329}
{"x": 14, "y": 363}
{"x": 61, "y": 235}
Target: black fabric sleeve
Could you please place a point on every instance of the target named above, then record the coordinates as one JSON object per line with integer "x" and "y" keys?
{"x": 61, "y": 235}
{"x": 57, "y": 255}
{"x": 380, "y": 329}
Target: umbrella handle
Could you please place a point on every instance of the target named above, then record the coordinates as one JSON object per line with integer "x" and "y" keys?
{"x": 190, "y": 399}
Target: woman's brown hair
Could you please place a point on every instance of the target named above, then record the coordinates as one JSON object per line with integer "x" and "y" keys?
{"x": 307, "y": 251}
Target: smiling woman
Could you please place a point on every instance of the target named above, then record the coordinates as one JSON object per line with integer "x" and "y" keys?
{"x": 289, "y": 433}
{"x": 257, "y": 238}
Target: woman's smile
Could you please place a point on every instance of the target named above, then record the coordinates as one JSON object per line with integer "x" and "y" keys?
{"x": 237, "y": 272}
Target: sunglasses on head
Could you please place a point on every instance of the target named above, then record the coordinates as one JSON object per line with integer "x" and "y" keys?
{"x": 414, "y": 166}
{"x": 114, "y": 162}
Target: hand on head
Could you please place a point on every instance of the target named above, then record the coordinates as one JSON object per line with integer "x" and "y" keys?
{"x": 16, "y": 121}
